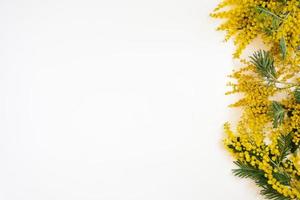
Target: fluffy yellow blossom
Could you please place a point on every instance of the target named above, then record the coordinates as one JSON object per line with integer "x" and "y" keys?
{"x": 272, "y": 20}
{"x": 256, "y": 142}
{"x": 265, "y": 142}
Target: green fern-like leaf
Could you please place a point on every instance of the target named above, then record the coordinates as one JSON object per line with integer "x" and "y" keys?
{"x": 283, "y": 178}
{"x": 264, "y": 64}
{"x": 267, "y": 12}
{"x": 297, "y": 95}
{"x": 245, "y": 170}
{"x": 270, "y": 193}
{"x": 278, "y": 113}
{"x": 284, "y": 146}
{"x": 282, "y": 47}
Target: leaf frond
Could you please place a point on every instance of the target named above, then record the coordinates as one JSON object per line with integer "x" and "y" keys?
{"x": 264, "y": 64}
{"x": 277, "y": 112}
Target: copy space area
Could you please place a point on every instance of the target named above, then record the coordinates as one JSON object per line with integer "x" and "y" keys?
{"x": 114, "y": 100}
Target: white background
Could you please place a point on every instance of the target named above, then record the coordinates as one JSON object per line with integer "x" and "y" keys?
{"x": 114, "y": 100}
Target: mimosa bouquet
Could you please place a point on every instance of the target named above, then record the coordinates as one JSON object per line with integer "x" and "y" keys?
{"x": 265, "y": 141}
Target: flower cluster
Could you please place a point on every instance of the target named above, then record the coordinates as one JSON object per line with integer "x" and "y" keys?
{"x": 272, "y": 20}
{"x": 265, "y": 142}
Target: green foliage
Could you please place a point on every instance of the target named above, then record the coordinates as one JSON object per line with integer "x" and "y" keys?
{"x": 270, "y": 193}
{"x": 264, "y": 64}
{"x": 283, "y": 178}
{"x": 277, "y": 113}
{"x": 284, "y": 146}
{"x": 282, "y": 47}
{"x": 276, "y": 20}
{"x": 245, "y": 170}
{"x": 297, "y": 95}
{"x": 267, "y": 12}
